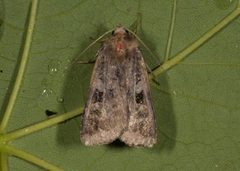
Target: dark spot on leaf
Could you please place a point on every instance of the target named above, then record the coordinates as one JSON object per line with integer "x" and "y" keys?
{"x": 50, "y": 113}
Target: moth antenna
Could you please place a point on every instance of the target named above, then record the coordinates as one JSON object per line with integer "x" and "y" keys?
{"x": 135, "y": 27}
{"x": 91, "y": 44}
{"x": 142, "y": 43}
{"x": 137, "y": 23}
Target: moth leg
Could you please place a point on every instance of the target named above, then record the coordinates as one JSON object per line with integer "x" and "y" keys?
{"x": 91, "y": 44}
{"x": 91, "y": 61}
{"x": 94, "y": 42}
{"x": 153, "y": 78}
{"x": 136, "y": 27}
{"x": 155, "y": 81}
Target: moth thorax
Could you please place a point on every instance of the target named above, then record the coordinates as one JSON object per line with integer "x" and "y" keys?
{"x": 132, "y": 44}
{"x": 120, "y": 30}
{"x": 120, "y": 48}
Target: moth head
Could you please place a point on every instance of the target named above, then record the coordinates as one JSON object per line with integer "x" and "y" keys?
{"x": 123, "y": 41}
{"x": 121, "y": 31}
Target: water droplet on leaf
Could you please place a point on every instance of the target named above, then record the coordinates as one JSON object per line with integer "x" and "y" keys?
{"x": 60, "y": 99}
{"x": 53, "y": 66}
{"x": 47, "y": 92}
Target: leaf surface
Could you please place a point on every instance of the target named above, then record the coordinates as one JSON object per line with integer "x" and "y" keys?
{"x": 197, "y": 104}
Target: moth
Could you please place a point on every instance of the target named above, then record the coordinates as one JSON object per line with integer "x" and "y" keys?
{"x": 119, "y": 103}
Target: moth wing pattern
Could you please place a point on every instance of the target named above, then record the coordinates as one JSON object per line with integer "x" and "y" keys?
{"x": 119, "y": 103}
{"x": 105, "y": 114}
{"x": 141, "y": 130}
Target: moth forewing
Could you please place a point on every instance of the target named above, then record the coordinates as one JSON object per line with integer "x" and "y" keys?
{"x": 141, "y": 130}
{"x": 119, "y": 103}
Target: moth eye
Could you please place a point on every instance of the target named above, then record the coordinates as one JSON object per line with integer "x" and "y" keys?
{"x": 113, "y": 32}
{"x": 127, "y": 35}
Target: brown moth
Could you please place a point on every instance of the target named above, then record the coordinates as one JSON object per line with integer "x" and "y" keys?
{"x": 119, "y": 104}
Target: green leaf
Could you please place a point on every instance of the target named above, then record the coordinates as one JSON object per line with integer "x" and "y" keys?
{"x": 196, "y": 105}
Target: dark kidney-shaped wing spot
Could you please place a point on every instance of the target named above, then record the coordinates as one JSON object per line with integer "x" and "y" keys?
{"x": 139, "y": 97}
{"x": 97, "y": 96}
